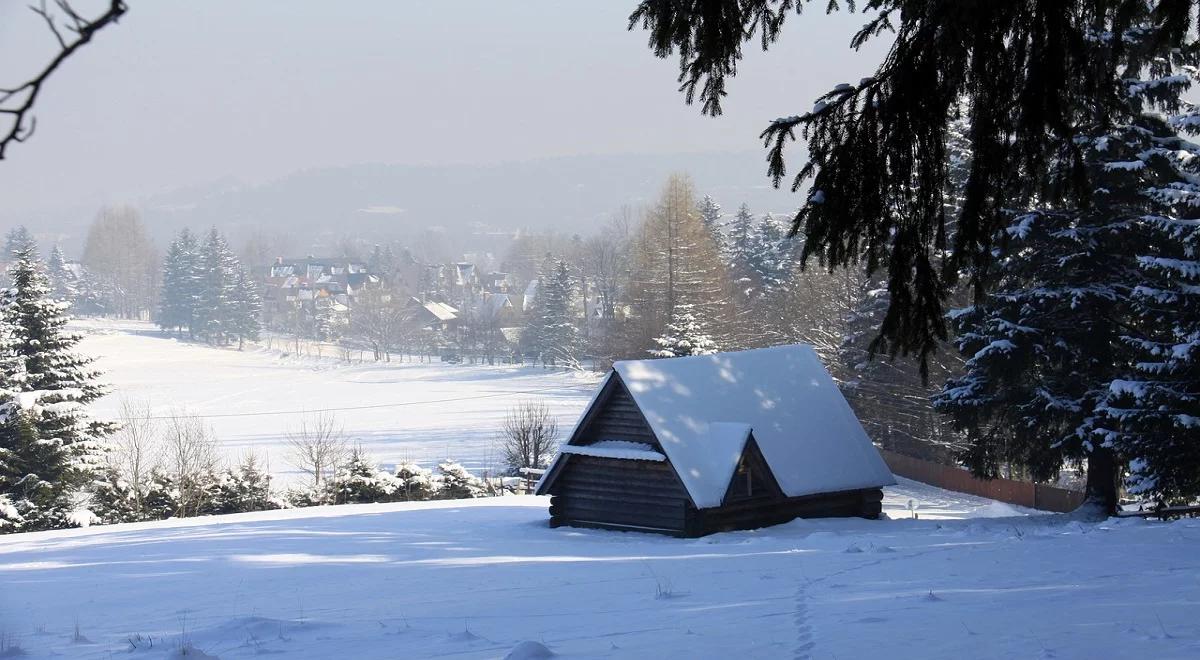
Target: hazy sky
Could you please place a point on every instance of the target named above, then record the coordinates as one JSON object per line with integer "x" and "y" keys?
{"x": 186, "y": 92}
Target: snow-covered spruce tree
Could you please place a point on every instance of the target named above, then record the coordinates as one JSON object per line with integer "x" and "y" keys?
{"x": 455, "y": 482}
{"x": 246, "y": 312}
{"x": 181, "y": 282}
{"x": 113, "y": 499}
{"x": 1050, "y": 344}
{"x": 62, "y": 282}
{"x": 217, "y": 291}
{"x": 740, "y": 252}
{"x": 554, "y": 334}
{"x": 245, "y": 487}
{"x": 17, "y": 240}
{"x": 413, "y": 482}
{"x": 360, "y": 481}
{"x": 51, "y": 446}
{"x": 684, "y": 335}
{"x": 771, "y": 258}
{"x": 1153, "y": 412}
{"x": 710, "y": 216}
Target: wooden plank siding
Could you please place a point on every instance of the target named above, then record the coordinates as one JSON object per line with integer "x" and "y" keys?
{"x": 619, "y": 493}
{"x": 754, "y": 514}
{"x": 616, "y": 417}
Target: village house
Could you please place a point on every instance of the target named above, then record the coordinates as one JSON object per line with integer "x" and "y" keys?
{"x": 311, "y": 283}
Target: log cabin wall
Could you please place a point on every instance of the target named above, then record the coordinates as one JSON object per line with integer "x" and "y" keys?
{"x": 619, "y": 493}
{"x": 617, "y": 418}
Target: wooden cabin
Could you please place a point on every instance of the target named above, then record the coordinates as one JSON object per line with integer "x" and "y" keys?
{"x": 694, "y": 445}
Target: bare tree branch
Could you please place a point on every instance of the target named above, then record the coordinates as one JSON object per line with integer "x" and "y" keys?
{"x": 24, "y": 123}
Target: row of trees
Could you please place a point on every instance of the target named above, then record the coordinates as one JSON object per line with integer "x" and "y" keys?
{"x": 159, "y": 468}
{"x": 207, "y": 292}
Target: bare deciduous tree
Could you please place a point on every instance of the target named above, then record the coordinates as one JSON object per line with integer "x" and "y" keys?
{"x": 133, "y": 451}
{"x": 119, "y": 252}
{"x": 528, "y": 435}
{"x": 189, "y": 455}
{"x": 317, "y": 446}
{"x": 381, "y": 319}
{"x": 72, "y": 31}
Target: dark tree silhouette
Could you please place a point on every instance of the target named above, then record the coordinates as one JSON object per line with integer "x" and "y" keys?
{"x": 1024, "y": 72}
{"x": 72, "y": 31}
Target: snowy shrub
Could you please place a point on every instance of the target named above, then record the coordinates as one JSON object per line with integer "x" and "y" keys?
{"x": 413, "y": 483}
{"x": 161, "y": 497}
{"x": 245, "y": 487}
{"x": 456, "y": 483}
{"x": 360, "y": 481}
{"x": 113, "y": 499}
{"x": 307, "y": 495}
{"x": 10, "y": 518}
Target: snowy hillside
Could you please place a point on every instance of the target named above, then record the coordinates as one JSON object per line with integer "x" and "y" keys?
{"x": 473, "y": 579}
{"x": 411, "y": 411}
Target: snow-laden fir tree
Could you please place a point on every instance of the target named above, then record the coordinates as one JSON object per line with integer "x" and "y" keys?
{"x": 684, "y": 335}
{"x": 62, "y": 280}
{"x": 1152, "y": 413}
{"x": 17, "y": 240}
{"x": 360, "y": 481}
{"x": 710, "y": 216}
{"x": 246, "y": 319}
{"x": 181, "y": 282}
{"x": 456, "y": 483}
{"x": 553, "y": 332}
{"x": 1050, "y": 344}
{"x": 217, "y": 293}
{"x": 740, "y": 245}
{"x": 50, "y": 447}
{"x": 245, "y": 487}
{"x": 413, "y": 482}
{"x": 771, "y": 256}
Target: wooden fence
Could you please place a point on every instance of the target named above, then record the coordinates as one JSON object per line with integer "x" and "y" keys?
{"x": 1021, "y": 493}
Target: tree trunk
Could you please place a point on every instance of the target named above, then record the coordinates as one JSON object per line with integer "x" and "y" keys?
{"x": 1101, "y": 491}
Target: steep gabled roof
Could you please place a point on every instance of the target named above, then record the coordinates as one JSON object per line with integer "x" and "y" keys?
{"x": 703, "y": 409}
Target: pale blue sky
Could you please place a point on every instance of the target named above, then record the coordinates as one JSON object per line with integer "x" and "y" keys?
{"x": 185, "y": 92}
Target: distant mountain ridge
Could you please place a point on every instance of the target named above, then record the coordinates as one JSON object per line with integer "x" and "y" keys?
{"x": 570, "y": 194}
{"x": 567, "y": 194}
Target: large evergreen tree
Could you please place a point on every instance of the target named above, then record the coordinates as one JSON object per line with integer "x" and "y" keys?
{"x": 217, "y": 292}
{"x": 1049, "y": 347}
{"x": 17, "y": 239}
{"x": 1034, "y": 74}
{"x": 181, "y": 281}
{"x": 553, "y": 331}
{"x": 49, "y": 445}
{"x": 62, "y": 281}
{"x": 246, "y": 319}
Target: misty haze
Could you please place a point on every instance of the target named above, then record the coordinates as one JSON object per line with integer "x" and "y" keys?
{"x": 597, "y": 329}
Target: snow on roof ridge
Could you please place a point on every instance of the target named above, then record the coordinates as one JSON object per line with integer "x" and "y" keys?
{"x": 703, "y": 408}
{"x": 620, "y": 449}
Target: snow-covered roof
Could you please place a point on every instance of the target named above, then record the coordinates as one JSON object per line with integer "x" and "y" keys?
{"x": 623, "y": 449}
{"x": 442, "y": 311}
{"x": 702, "y": 409}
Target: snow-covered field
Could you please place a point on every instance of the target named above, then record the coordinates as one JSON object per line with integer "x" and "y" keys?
{"x": 473, "y": 579}
{"x": 411, "y": 411}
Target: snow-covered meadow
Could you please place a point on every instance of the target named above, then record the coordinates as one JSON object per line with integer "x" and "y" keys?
{"x": 474, "y": 579}
{"x": 424, "y": 412}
